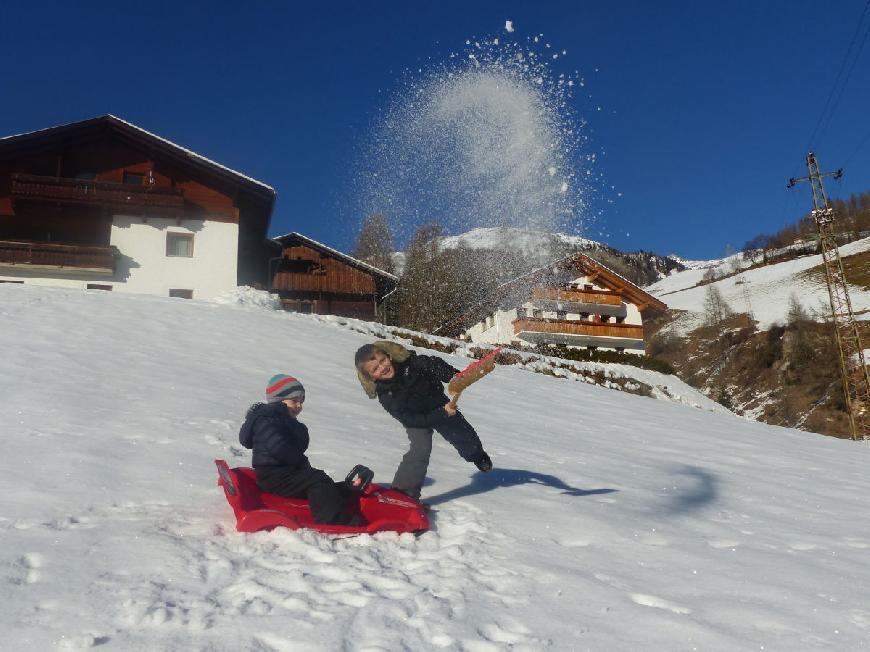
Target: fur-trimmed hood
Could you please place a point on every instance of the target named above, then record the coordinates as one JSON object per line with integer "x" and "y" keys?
{"x": 393, "y": 350}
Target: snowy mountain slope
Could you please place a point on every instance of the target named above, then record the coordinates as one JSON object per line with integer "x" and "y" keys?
{"x": 540, "y": 246}
{"x": 522, "y": 239}
{"x": 612, "y": 522}
{"x": 764, "y": 290}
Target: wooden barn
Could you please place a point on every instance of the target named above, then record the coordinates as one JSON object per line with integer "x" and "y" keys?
{"x": 104, "y": 204}
{"x": 313, "y": 278}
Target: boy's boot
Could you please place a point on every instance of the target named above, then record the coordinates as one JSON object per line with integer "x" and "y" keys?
{"x": 483, "y": 462}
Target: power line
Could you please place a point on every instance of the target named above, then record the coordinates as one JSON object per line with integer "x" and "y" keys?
{"x": 809, "y": 146}
{"x": 845, "y": 83}
{"x": 858, "y": 147}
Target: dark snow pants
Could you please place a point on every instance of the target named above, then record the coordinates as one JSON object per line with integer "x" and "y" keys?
{"x": 326, "y": 498}
{"x": 412, "y": 469}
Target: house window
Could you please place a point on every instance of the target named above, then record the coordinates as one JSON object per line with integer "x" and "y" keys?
{"x": 537, "y": 314}
{"x": 620, "y": 320}
{"x": 605, "y": 319}
{"x": 584, "y": 316}
{"x": 99, "y": 286}
{"x": 181, "y": 294}
{"x": 179, "y": 244}
{"x": 587, "y": 288}
{"x": 133, "y": 179}
{"x": 561, "y": 314}
{"x": 305, "y": 307}
{"x": 620, "y": 349}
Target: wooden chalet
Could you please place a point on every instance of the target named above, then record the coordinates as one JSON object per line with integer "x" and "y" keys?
{"x": 576, "y": 302}
{"x": 104, "y": 204}
{"x": 311, "y": 277}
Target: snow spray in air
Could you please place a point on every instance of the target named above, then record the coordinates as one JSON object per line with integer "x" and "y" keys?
{"x": 486, "y": 139}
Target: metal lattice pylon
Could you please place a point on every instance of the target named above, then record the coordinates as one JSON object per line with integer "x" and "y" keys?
{"x": 856, "y": 383}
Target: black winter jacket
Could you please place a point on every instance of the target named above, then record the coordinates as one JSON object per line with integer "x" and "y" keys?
{"x": 415, "y": 394}
{"x": 277, "y": 438}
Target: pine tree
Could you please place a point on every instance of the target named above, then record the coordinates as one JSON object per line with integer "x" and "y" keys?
{"x": 374, "y": 244}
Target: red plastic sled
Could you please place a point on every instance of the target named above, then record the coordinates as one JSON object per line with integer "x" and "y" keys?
{"x": 384, "y": 510}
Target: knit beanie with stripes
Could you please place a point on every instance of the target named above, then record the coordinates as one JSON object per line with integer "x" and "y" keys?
{"x": 282, "y": 387}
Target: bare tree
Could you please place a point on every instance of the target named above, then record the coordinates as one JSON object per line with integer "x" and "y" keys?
{"x": 419, "y": 295}
{"x": 797, "y": 314}
{"x": 374, "y": 244}
{"x": 716, "y": 309}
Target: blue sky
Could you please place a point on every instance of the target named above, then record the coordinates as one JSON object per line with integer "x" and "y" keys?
{"x": 706, "y": 108}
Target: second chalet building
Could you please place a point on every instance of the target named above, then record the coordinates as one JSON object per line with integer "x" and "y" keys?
{"x": 575, "y": 302}
{"x": 104, "y": 204}
{"x": 311, "y": 277}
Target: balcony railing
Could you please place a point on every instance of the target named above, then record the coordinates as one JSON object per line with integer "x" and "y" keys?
{"x": 569, "y": 327}
{"x": 53, "y": 255}
{"x": 79, "y": 191}
{"x": 576, "y": 296}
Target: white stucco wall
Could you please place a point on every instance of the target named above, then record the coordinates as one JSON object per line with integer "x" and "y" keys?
{"x": 144, "y": 267}
{"x": 496, "y": 329}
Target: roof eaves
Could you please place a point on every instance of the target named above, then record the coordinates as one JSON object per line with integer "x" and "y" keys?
{"x": 338, "y": 253}
{"x": 190, "y": 153}
{"x": 183, "y": 150}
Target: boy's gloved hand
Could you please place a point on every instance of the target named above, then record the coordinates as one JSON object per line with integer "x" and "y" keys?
{"x": 359, "y": 478}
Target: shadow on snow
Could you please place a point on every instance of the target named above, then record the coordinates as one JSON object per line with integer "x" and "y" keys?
{"x": 501, "y": 478}
{"x": 702, "y": 490}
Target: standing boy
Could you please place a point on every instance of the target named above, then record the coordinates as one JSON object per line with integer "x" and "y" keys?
{"x": 410, "y": 387}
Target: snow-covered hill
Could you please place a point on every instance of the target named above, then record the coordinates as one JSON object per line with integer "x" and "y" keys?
{"x": 764, "y": 291}
{"x": 522, "y": 239}
{"x": 537, "y": 248}
{"x": 611, "y": 521}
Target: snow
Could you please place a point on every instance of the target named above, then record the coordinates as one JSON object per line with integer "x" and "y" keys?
{"x": 611, "y": 521}
{"x": 767, "y": 288}
{"x": 250, "y": 298}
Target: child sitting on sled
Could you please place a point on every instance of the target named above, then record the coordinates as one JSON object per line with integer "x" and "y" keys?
{"x": 410, "y": 388}
{"x": 279, "y": 442}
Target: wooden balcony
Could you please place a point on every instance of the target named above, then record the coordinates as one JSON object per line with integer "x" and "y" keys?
{"x": 560, "y": 295}
{"x": 56, "y": 256}
{"x": 576, "y": 328}
{"x": 96, "y": 193}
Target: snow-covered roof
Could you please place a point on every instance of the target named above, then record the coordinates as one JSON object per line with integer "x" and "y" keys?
{"x": 337, "y": 254}
{"x": 181, "y": 150}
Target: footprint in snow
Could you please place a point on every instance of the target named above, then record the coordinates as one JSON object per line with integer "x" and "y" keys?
{"x": 27, "y": 568}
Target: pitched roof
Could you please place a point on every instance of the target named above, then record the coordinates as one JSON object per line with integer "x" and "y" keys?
{"x": 350, "y": 260}
{"x": 128, "y": 129}
{"x": 609, "y": 278}
{"x": 605, "y": 276}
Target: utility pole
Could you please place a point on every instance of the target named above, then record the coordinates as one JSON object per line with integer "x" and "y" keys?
{"x": 856, "y": 383}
